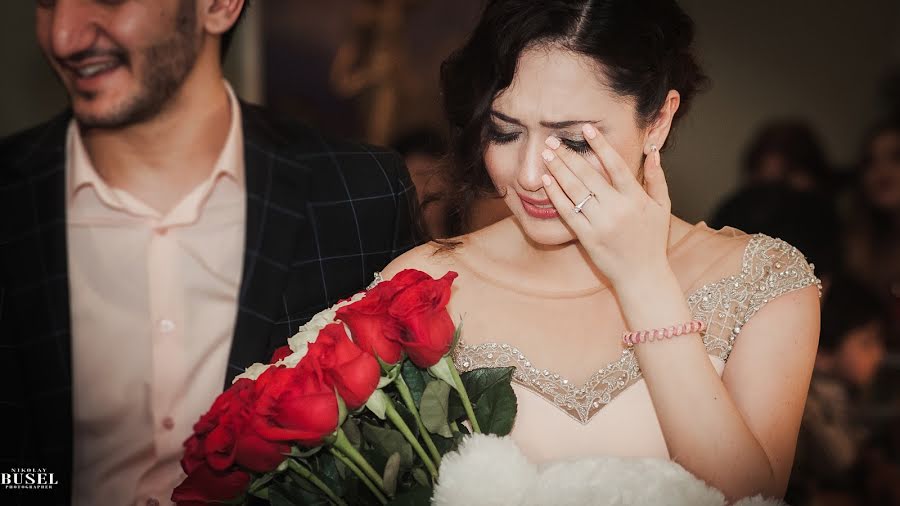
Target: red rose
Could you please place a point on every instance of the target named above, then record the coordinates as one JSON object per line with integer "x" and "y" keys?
{"x": 373, "y": 328}
{"x": 295, "y": 404}
{"x": 281, "y": 353}
{"x": 206, "y": 485}
{"x": 224, "y": 435}
{"x": 422, "y": 309}
{"x": 403, "y": 279}
{"x": 353, "y": 372}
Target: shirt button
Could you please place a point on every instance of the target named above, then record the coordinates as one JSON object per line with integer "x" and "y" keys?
{"x": 168, "y": 423}
{"x": 166, "y": 326}
{"x": 152, "y": 502}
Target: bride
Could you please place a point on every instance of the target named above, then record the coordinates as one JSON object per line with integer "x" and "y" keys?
{"x": 562, "y": 108}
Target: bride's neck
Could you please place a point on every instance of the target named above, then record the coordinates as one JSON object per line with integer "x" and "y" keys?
{"x": 567, "y": 265}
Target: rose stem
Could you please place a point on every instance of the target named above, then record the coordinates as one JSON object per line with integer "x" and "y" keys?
{"x": 361, "y": 475}
{"x": 343, "y": 445}
{"x": 463, "y": 396}
{"x": 306, "y": 473}
{"x": 398, "y": 422}
{"x": 406, "y": 395}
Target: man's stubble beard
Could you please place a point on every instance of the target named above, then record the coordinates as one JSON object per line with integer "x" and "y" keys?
{"x": 166, "y": 65}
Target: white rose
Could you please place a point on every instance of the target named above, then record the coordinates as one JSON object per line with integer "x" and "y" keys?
{"x": 252, "y": 372}
{"x": 308, "y": 333}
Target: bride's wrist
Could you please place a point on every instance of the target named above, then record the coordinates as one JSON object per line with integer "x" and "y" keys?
{"x": 652, "y": 299}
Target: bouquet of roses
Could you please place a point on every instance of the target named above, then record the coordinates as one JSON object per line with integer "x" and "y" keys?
{"x": 358, "y": 408}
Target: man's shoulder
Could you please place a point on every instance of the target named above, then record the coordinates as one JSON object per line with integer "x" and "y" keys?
{"x": 27, "y": 148}
{"x": 295, "y": 143}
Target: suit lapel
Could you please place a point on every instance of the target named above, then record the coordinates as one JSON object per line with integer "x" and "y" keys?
{"x": 270, "y": 237}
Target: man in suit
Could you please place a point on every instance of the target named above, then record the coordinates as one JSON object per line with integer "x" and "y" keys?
{"x": 159, "y": 237}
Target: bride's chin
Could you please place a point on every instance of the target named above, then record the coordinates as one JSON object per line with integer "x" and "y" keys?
{"x": 546, "y": 232}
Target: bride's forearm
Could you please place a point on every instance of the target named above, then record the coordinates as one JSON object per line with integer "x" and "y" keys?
{"x": 703, "y": 429}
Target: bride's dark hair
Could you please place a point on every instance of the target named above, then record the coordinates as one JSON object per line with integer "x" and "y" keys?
{"x": 644, "y": 48}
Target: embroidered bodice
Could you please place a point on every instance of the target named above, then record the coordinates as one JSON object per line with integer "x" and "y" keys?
{"x": 770, "y": 268}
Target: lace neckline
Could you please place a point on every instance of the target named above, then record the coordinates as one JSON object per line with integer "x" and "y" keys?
{"x": 770, "y": 267}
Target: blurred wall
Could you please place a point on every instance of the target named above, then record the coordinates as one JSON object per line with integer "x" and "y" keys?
{"x": 29, "y": 92}
{"x": 821, "y": 61}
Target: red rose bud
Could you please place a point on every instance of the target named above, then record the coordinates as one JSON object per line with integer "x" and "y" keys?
{"x": 281, "y": 353}
{"x": 353, "y": 372}
{"x": 295, "y": 404}
{"x": 428, "y": 329}
{"x": 206, "y": 485}
{"x": 372, "y": 327}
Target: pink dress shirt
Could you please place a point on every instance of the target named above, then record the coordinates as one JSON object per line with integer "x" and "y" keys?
{"x": 153, "y": 304}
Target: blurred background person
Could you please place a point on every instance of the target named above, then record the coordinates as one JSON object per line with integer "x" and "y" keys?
{"x": 829, "y": 468}
{"x": 786, "y": 193}
{"x": 788, "y": 152}
{"x": 873, "y": 228}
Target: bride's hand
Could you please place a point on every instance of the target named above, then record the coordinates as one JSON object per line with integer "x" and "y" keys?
{"x": 622, "y": 226}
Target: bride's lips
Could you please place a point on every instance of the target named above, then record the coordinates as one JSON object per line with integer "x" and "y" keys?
{"x": 541, "y": 209}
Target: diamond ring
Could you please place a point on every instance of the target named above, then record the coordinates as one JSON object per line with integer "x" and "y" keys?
{"x": 583, "y": 202}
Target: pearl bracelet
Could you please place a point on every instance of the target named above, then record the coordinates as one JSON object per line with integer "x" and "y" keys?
{"x": 642, "y": 336}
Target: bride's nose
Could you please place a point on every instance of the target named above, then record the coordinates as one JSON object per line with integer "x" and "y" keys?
{"x": 532, "y": 165}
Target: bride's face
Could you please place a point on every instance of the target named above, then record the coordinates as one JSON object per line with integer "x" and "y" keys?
{"x": 554, "y": 92}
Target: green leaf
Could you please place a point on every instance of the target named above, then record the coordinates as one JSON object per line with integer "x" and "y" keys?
{"x": 258, "y": 486}
{"x": 421, "y": 477}
{"x": 478, "y": 381}
{"x": 297, "y": 452}
{"x": 387, "y": 442}
{"x": 407, "y": 417}
{"x": 441, "y": 371}
{"x": 289, "y": 493}
{"x": 496, "y": 409}
{"x": 377, "y": 403}
{"x": 351, "y": 430}
{"x": 391, "y": 473}
{"x": 416, "y": 496}
{"x": 446, "y": 445}
{"x": 326, "y": 469}
{"x": 433, "y": 408}
{"x": 415, "y": 379}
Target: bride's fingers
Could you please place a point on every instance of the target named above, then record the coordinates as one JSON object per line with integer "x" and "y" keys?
{"x": 569, "y": 183}
{"x": 622, "y": 177}
{"x": 655, "y": 178}
{"x": 566, "y": 209}
{"x": 583, "y": 170}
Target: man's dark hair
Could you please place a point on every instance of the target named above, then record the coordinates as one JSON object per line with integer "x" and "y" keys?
{"x": 229, "y": 35}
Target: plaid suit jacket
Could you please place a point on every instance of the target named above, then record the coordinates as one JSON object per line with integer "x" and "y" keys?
{"x": 322, "y": 216}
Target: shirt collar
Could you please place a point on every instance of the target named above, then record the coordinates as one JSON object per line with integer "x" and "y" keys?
{"x": 81, "y": 172}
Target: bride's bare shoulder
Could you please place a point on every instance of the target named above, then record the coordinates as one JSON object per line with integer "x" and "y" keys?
{"x": 434, "y": 258}
{"x": 438, "y": 257}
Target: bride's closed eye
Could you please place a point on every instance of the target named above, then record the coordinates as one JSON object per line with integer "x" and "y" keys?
{"x": 579, "y": 146}
{"x": 497, "y": 135}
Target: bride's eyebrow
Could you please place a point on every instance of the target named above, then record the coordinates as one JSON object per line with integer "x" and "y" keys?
{"x": 556, "y": 125}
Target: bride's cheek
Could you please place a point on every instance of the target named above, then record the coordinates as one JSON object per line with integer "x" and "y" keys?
{"x": 493, "y": 163}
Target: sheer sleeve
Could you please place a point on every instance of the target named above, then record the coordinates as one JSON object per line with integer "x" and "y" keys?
{"x": 770, "y": 267}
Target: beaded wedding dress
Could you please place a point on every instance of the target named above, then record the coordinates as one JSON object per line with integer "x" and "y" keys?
{"x": 578, "y": 401}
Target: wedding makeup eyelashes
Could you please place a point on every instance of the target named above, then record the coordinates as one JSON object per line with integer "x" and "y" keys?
{"x": 496, "y": 135}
